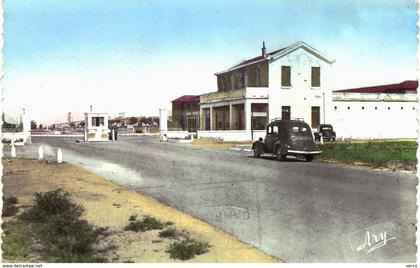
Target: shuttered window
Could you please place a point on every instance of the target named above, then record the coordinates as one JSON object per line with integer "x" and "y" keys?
{"x": 316, "y": 77}
{"x": 285, "y": 76}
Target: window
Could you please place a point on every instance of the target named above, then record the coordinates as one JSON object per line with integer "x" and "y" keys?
{"x": 316, "y": 115}
{"x": 285, "y": 112}
{"x": 285, "y": 76}
{"x": 98, "y": 121}
{"x": 275, "y": 129}
{"x": 316, "y": 77}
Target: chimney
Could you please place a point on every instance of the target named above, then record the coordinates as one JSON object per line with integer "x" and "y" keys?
{"x": 264, "y": 52}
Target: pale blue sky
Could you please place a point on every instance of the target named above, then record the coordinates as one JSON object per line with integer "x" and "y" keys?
{"x": 136, "y": 56}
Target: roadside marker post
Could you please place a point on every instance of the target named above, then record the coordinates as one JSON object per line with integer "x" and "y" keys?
{"x": 40, "y": 153}
{"x": 322, "y": 140}
{"x": 113, "y": 134}
{"x": 13, "y": 150}
{"x": 59, "y": 156}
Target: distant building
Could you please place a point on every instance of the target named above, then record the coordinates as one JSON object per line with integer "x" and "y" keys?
{"x": 185, "y": 113}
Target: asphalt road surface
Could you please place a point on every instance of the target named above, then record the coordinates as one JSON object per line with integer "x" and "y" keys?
{"x": 295, "y": 210}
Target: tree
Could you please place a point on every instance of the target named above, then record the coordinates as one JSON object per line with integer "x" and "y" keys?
{"x": 133, "y": 120}
{"x": 33, "y": 124}
{"x": 41, "y": 126}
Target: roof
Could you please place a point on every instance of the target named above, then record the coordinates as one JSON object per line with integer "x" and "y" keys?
{"x": 403, "y": 87}
{"x": 276, "y": 54}
{"x": 187, "y": 98}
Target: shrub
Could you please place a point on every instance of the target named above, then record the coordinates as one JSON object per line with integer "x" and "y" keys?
{"x": 50, "y": 204}
{"x": 187, "y": 249}
{"x": 146, "y": 224}
{"x": 9, "y": 206}
{"x": 171, "y": 233}
{"x": 66, "y": 237}
{"x": 11, "y": 200}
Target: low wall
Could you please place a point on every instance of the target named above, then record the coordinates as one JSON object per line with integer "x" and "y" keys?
{"x": 226, "y": 135}
{"x": 256, "y": 134}
{"x": 177, "y": 134}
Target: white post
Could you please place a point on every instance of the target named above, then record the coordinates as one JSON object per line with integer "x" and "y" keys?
{"x": 85, "y": 135}
{"x": 163, "y": 122}
{"x": 248, "y": 120}
{"x": 13, "y": 150}
{"x": 230, "y": 116}
{"x": 40, "y": 153}
{"x": 322, "y": 139}
{"x": 26, "y": 123}
{"x": 113, "y": 134}
{"x": 59, "y": 156}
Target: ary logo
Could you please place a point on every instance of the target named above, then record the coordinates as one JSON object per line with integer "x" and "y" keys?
{"x": 373, "y": 242}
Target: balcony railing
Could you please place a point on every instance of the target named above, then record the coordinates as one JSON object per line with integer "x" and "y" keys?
{"x": 249, "y": 92}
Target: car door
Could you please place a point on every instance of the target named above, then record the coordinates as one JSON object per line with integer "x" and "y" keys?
{"x": 271, "y": 138}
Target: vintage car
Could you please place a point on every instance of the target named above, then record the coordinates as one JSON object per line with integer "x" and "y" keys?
{"x": 287, "y": 137}
{"x": 326, "y": 131}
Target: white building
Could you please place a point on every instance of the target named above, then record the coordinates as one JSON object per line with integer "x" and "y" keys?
{"x": 96, "y": 126}
{"x": 378, "y": 112}
{"x": 292, "y": 82}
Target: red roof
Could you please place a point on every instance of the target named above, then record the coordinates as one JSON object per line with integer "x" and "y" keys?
{"x": 187, "y": 98}
{"x": 409, "y": 85}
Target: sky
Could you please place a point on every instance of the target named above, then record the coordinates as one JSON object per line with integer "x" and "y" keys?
{"x": 136, "y": 56}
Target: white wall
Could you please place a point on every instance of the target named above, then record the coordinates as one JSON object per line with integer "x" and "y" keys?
{"x": 368, "y": 123}
{"x": 226, "y": 135}
{"x": 300, "y": 96}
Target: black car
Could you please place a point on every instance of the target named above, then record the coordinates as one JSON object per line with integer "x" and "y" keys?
{"x": 287, "y": 137}
{"x": 326, "y": 131}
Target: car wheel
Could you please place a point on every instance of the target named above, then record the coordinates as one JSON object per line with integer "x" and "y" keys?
{"x": 333, "y": 139}
{"x": 256, "y": 154}
{"x": 279, "y": 155}
{"x": 309, "y": 158}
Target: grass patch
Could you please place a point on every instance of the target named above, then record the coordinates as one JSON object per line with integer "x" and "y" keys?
{"x": 65, "y": 237}
{"x": 373, "y": 153}
{"x": 187, "y": 249}
{"x": 14, "y": 247}
{"x": 169, "y": 233}
{"x": 146, "y": 224}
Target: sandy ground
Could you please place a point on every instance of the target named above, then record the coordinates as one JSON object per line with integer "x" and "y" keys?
{"x": 110, "y": 205}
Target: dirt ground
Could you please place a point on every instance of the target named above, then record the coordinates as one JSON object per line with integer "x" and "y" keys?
{"x": 110, "y": 205}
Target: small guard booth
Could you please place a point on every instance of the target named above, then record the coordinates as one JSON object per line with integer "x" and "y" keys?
{"x": 96, "y": 126}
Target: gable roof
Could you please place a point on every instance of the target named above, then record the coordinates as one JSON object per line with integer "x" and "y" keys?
{"x": 403, "y": 87}
{"x": 187, "y": 98}
{"x": 276, "y": 54}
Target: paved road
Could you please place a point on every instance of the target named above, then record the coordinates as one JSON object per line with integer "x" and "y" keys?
{"x": 298, "y": 211}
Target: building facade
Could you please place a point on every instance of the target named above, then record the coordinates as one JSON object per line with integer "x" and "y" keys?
{"x": 292, "y": 82}
{"x": 185, "y": 113}
{"x": 378, "y": 112}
